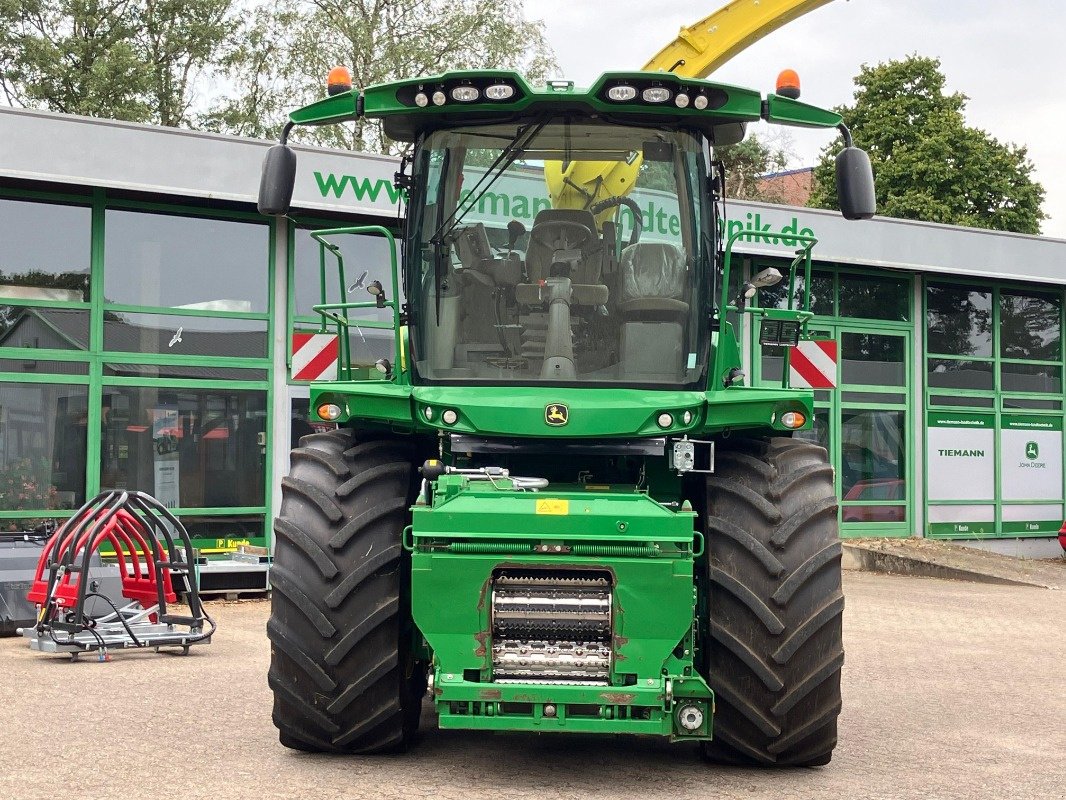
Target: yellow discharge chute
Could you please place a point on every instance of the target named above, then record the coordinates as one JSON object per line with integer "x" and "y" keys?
{"x": 697, "y": 51}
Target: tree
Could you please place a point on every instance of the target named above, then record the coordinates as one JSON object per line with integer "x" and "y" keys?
{"x": 745, "y": 162}
{"x": 288, "y": 47}
{"x": 928, "y": 163}
{"x": 134, "y": 60}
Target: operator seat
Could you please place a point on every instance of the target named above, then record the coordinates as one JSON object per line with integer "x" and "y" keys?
{"x": 653, "y": 286}
{"x": 540, "y": 257}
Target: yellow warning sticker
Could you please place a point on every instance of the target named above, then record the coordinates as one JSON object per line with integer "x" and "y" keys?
{"x": 553, "y": 506}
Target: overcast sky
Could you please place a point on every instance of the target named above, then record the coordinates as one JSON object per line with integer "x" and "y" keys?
{"x": 1009, "y": 58}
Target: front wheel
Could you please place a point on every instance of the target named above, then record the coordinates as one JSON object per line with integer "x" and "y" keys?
{"x": 341, "y": 663}
{"x": 774, "y": 603}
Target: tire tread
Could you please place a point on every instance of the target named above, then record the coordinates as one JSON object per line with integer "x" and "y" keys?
{"x": 774, "y": 649}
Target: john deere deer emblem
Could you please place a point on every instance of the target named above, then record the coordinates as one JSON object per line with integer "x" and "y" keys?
{"x": 1032, "y": 450}
{"x": 556, "y": 414}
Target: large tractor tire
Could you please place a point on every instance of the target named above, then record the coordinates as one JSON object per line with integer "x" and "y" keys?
{"x": 774, "y": 607}
{"x": 341, "y": 664}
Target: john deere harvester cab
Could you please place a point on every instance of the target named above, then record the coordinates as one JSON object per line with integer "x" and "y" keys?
{"x": 556, "y": 503}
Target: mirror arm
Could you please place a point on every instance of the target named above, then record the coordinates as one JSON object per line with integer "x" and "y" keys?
{"x": 846, "y": 134}
{"x": 284, "y": 139}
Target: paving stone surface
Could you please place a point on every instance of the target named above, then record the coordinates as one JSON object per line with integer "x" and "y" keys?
{"x": 951, "y": 690}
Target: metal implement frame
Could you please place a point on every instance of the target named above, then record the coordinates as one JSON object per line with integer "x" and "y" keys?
{"x": 152, "y": 548}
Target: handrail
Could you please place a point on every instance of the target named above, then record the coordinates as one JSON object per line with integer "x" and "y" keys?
{"x": 328, "y": 310}
{"x": 802, "y": 315}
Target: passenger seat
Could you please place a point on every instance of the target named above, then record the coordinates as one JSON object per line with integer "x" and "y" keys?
{"x": 652, "y": 290}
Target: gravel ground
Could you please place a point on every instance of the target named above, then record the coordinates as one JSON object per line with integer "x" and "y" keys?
{"x": 950, "y": 690}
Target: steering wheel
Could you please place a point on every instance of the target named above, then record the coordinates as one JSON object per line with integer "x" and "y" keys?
{"x": 628, "y": 202}
{"x": 572, "y": 235}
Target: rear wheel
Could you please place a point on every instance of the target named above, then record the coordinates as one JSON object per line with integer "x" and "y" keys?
{"x": 341, "y": 663}
{"x": 774, "y": 603}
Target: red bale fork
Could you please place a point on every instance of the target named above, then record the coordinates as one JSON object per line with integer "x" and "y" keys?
{"x": 155, "y": 560}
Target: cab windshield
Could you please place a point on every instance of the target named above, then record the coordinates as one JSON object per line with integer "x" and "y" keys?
{"x": 561, "y": 252}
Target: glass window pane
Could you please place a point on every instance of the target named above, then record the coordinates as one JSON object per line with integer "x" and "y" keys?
{"x": 949, "y": 374}
{"x": 45, "y": 253}
{"x": 958, "y": 320}
{"x": 366, "y": 259}
{"x": 43, "y": 435}
{"x": 190, "y": 448}
{"x": 955, "y": 400}
{"x": 32, "y": 366}
{"x": 872, "y": 359}
{"x": 1030, "y": 378}
{"x": 1025, "y": 402}
{"x": 185, "y": 262}
{"x": 873, "y": 451}
{"x": 44, "y": 328}
{"x": 881, "y": 398}
{"x": 1029, "y": 326}
{"x": 821, "y": 291}
{"x": 851, "y": 513}
{"x": 185, "y": 336}
{"x": 181, "y": 371}
{"x": 873, "y": 297}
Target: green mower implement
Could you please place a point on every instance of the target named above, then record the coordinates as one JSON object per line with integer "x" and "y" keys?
{"x": 555, "y": 504}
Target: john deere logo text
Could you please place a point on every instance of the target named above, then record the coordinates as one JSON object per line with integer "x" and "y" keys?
{"x": 556, "y": 414}
{"x": 1032, "y": 451}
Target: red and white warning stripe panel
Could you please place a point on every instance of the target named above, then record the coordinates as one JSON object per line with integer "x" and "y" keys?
{"x": 314, "y": 356}
{"x": 813, "y": 364}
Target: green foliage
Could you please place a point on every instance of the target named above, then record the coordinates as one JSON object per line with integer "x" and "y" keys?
{"x": 745, "y": 162}
{"x": 135, "y": 60}
{"x": 928, "y": 163}
{"x": 287, "y": 47}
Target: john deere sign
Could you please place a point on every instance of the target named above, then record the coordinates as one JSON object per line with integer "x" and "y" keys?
{"x": 1031, "y": 473}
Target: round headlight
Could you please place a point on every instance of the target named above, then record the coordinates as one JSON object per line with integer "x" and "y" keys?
{"x": 438, "y": 98}
{"x": 681, "y": 101}
{"x": 700, "y": 102}
{"x": 621, "y": 93}
{"x": 665, "y": 420}
{"x": 329, "y": 412}
{"x": 655, "y": 94}
{"x": 449, "y": 417}
{"x": 421, "y": 100}
{"x": 465, "y": 94}
{"x": 499, "y": 91}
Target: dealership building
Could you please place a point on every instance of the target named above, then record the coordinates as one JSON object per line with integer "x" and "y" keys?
{"x": 149, "y": 317}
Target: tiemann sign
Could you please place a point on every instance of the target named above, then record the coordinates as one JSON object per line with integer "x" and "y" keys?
{"x": 960, "y": 462}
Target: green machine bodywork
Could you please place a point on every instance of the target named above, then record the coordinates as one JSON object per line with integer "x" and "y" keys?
{"x": 605, "y": 520}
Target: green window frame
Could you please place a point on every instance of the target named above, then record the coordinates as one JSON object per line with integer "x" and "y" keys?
{"x": 1001, "y": 407}
{"x": 96, "y": 359}
{"x": 859, "y": 397}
